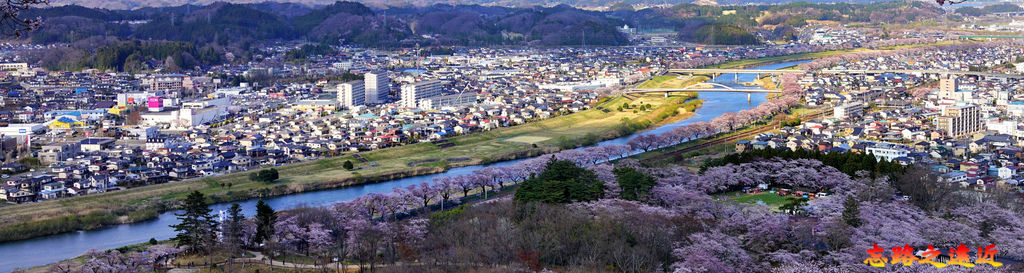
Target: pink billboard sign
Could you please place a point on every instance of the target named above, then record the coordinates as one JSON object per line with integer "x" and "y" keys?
{"x": 155, "y": 102}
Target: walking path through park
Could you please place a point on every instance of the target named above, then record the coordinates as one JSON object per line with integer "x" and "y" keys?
{"x": 260, "y": 258}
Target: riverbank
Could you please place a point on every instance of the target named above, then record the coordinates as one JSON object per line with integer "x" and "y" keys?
{"x": 603, "y": 122}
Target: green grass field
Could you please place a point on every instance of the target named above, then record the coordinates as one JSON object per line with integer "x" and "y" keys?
{"x": 769, "y": 199}
{"x": 671, "y": 81}
{"x": 328, "y": 173}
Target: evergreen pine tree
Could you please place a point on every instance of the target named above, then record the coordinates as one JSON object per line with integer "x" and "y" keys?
{"x": 634, "y": 184}
{"x": 265, "y": 219}
{"x": 851, "y": 212}
{"x": 232, "y": 229}
{"x": 197, "y": 226}
{"x": 561, "y": 182}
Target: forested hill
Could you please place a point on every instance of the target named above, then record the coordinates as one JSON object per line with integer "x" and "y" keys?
{"x": 339, "y": 23}
{"x": 352, "y": 23}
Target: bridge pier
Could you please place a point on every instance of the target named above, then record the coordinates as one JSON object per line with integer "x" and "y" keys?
{"x": 666, "y": 94}
{"x": 735, "y": 77}
{"x": 748, "y": 97}
{"x": 714, "y": 76}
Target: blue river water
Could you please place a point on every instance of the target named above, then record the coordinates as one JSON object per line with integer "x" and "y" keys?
{"x": 49, "y": 249}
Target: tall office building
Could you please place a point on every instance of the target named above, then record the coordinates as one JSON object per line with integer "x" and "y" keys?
{"x": 351, "y": 94}
{"x": 378, "y": 87}
{"x": 413, "y": 93}
{"x": 958, "y": 121}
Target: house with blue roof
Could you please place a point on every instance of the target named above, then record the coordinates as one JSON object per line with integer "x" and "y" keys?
{"x": 66, "y": 122}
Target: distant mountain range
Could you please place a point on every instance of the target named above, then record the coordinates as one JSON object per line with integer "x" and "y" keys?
{"x": 190, "y": 35}
{"x": 136, "y": 4}
{"x": 353, "y": 23}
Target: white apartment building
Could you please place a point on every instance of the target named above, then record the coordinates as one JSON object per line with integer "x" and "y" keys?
{"x": 887, "y": 151}
{"x": 413, "y": 93}
{"x": 351, "y": 94}
{"x": 377, "y": 87}
{"x": 848, "y": 110}
{"x": 452, "y": 100}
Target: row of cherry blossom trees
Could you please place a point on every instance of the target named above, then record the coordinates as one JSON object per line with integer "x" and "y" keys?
{"x": 111, "y": 261}
{"x": 345, "y": 232}
{"x": 899, "y": 42}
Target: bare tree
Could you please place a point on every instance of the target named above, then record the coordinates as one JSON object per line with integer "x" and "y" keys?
{"x": 12, "y": 24}
{"x": 925, "y": 190}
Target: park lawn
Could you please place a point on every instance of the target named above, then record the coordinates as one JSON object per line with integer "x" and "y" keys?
{"x": 672, "y": 81}
{"x": 656, "y": 81}
{"x": 769, "y": 199}
{"x": 478, "y": 148}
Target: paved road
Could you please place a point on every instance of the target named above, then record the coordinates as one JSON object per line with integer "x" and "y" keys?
{"x": 259, "y": 258}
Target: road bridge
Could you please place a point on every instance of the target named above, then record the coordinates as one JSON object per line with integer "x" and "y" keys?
{"x": 735, "y": 71}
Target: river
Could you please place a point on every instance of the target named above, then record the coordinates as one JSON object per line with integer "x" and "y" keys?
{"x": 49, "y": 249}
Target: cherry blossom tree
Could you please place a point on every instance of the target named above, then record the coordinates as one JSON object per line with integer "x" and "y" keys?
{"x": 444, "y": 186}
{"x": 643, "y": 142}
{"x": 424, "y": 193}
{"x": 464, "y": 183}
{"x": 713, "y": 252}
